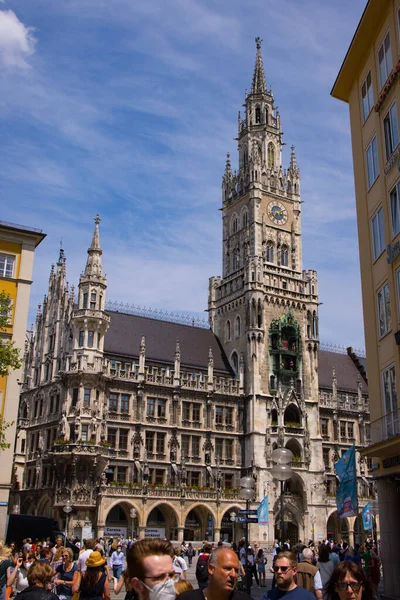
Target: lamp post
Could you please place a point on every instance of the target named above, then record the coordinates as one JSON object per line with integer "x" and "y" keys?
{"x": 67, "y": 508}
{"x": 133, "y": 513}
{"x": 247, "y": 492}
{"x": 282, "y": 471}
{"x": 313, "y": 520}
{"x": 232, "y": 517}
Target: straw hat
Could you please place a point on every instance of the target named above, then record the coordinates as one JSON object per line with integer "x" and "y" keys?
{"x": 95, "y": 560}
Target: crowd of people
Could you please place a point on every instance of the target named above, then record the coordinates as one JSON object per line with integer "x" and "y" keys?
{"x": 155, "y": 570}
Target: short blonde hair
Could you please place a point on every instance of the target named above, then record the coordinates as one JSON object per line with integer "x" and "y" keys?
{"x": 183, "y": 586}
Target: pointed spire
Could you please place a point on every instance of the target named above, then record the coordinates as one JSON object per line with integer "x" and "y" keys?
{"x": 93, "y": 265}
{"x": 228, "y": 169}
{"x": 293, "y": 162}
{"x": 258, "y": 86}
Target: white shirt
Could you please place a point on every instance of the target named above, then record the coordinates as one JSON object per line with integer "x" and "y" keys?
{"x": 179, "y": 565}
{"x": 82, "y": 560}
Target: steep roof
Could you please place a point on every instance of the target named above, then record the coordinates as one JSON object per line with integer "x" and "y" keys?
{"x": 345, "y": 369}
{"x": 125, "y": 332}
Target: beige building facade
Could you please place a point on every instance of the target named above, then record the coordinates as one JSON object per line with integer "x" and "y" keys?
{"x": 368, "y": 81}
{"x": 123, "y": 411}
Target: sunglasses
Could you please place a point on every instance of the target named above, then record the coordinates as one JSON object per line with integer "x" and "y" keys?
{"x": 342, "y": 587}
{"x": 65, "y": 555}
{"x": 283, "y": 569}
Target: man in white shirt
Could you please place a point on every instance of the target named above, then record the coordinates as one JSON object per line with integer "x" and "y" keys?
{"x": 84, "y": 555}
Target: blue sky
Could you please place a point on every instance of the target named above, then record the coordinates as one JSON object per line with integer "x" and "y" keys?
{"x": 127, "y": 109}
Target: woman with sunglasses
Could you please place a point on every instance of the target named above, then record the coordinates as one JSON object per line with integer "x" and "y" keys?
{"x": 348, "y": 582}
{"x": 65, "y": 574}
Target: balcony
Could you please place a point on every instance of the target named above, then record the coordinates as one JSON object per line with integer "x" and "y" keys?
{"x": 165, "y": 491}
{"x": 386, "y": 427}
{"x": 68, "y": 448}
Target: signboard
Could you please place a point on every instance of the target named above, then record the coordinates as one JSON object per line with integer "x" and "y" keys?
{"x": 87, "y": 532}
{"x": 114, "y": 531}
{"x": 154, "y": 532}
{"x": 3, "y": 503}
{"x": 247, "y": 520}
{"x": 250, "y": 511}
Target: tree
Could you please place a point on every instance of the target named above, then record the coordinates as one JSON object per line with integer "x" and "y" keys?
{"x": 10, "y": 357}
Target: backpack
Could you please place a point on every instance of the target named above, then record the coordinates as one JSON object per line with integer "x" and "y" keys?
{"x": 202, "y": 568}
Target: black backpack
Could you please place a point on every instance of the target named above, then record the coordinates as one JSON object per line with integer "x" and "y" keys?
{"x": 202, "y": 568}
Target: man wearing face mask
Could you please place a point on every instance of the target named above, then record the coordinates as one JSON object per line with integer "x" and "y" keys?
{"x": 151, "y": 571}
{"x": 223, "y": 573}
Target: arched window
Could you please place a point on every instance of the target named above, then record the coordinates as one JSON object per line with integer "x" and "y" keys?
{"x": 237, "y": 327}
{"x": 269, "y": 253}
{"x": 284, "y": 256}
{"x": 289, "y": 187}
{"x": 274, "y": 417}
{"x": 235, "y": 362}
{"x": 271, "y": 155}
{"x": 234, "y": 226}
{"x": 258, "y": 115}
{"x": 228, "y": 331}
{"x": 266, "y": 116}
{"x": 245, "y": 218}
{"x": 295, "y": 188}
{"x": 292, "y": 416}
{"x": 259, "y": 314}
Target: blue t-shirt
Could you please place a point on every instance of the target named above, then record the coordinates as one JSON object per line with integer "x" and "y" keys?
{"x": 298, "y": 593}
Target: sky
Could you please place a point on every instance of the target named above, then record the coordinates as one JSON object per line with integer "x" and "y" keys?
{"x": 128, "y": 108}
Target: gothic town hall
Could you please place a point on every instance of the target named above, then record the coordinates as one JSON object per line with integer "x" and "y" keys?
{"x": 121, "y": 411}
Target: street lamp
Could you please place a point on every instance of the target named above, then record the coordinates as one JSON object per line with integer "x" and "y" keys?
{"x": 67, "y": 508}
{"x": 313, "y": 521}
{"x": 133, "y": 513}
{"x": 282, "y": 471}
{"x": 232, "y": 517}
{"x": 247, "y": 492}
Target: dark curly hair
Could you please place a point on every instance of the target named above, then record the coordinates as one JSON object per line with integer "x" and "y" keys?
{"x": 340, "y": 572}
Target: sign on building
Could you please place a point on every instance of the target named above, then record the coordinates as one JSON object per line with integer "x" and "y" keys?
{"x": 154, "y": 532}
{"x": 115, "y": 532}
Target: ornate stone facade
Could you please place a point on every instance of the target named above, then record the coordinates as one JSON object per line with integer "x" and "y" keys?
{"x": 121, "y": 412}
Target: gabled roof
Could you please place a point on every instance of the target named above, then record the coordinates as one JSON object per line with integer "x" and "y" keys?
{"x": 345, "y": 369}
{"x": 125, "y": 332}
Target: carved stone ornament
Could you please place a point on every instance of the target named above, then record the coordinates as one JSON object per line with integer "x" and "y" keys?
{"x": 82, "y": 495}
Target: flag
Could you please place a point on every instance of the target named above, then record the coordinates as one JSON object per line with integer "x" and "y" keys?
{"x": 367, "y": 517}
{"x": 346, "y": 496}
{"x": 262, "y": 512}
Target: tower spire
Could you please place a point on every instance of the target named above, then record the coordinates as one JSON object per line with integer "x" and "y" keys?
{"x": 258, "y": 86}
{"x": 293, "y": 162}
{"x": 94, "y": 264}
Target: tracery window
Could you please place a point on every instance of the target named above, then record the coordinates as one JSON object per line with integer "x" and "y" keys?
{"x": 271, "y": 155}
{"x": 284, "y": 256}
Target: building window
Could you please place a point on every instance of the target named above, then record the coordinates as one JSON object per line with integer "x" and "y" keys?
{"x": 121, "y": 474}
{"x": 81, "y": 338}
{"x": 271, "y": 155}
{"x": 159, "y": 476}
{"x": 395, "y": 208}
{"x": 123, "y": 439}
{"x": 367, "y": 95}
{"x": 324, "y": 427}
{"x": 228, "y": 481}
{"x": 398, "y": 289}
{"x": 149, "y": 442}
{"x": 385, "y": 60}
{"x": 186, "y": 411}
{"x": 85, "y": 300}
{"x": 219, "y": 443}
{"x": 7, "y": 262}
{"x": 90, "y": 339}
{"x": 228, "y": 331}
{"x": 195, "y": 446}
{"x": 185, "y": 445}
{"x": 229, "y": 416}
{"x": 372, "y": 162}
{"x": 113, "y": 402}
{"x": 125, "y": 403}
{"x": 350, "y": 430}
{"x": 93, "y": 300}
{"x": 160, "y": 443}
{"x": 245, "y": 218}
{"x": 390, "y": 402}
{"x": 194, "y": 478}
{"x": 86, "y": 396}
{"x": 384, "y": 317}
{"x": 151, "y": 404}
{"x": 196, "y": 412}
{"x": 112, "y": 437}
{"x": 391, "y": 130}
{"x": 84, "y": 433}
{"x": 229, "y": 449}
{"x": 161, "y": 406}
{"x": 269, "y": 253}
{"x": 234, "y": 226}
{"x": 75, "y": 395}
{"x": 378, "y": 233}
{"x": 219, "y": 412}
{"x": 326, "y": 457}
{"x": 343, "y": 432}
{"x": 284, "y": 256}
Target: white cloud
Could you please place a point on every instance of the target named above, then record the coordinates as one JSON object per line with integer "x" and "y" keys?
{"x": 16, "y": 40}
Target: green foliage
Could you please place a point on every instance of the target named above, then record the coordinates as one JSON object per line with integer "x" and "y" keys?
{"x": 4, "y": 425}
{"x": 10, "y": 356}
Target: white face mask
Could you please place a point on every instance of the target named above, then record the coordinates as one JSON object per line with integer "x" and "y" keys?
{"x": 164, "y": 590}
{"x": 27, "y": 565}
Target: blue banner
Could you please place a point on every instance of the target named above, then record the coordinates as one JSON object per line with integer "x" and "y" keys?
{"x": 367, "y": 517}
{"x": 346, "y": 496}
{"x": 262, "y": 512}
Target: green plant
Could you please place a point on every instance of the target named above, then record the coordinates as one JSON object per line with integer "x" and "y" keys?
{"x": 105, "y": 444}
{"x": 61, "y": 442}
{"x": 292, "y": 424}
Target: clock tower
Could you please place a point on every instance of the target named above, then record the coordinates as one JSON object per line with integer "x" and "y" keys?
{"x": 264, "y": 309}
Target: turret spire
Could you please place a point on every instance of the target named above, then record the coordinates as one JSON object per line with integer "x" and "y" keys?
{"x": 258, "y": 86}
{"x": 293, "y": 162}
{"x": 93, "y": 264}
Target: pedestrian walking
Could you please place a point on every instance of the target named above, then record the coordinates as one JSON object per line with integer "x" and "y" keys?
{"x": 325, "y": 566}
{"x": 93, "y": 583}
{"x": 117, "y": 562}
{"x": 190, "y": 554}
{"x": 261, "y": 561}
{"x": 39, "y": 578}
{"x": 5, "y": 563}
{"x": 65, "y": 575}
{"x": 349, "y": 582}
{"x": 285, "y": 569}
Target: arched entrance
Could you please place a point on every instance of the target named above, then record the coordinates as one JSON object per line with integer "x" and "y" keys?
{"x": 117, "y": 522}
{"x": 336, "y": 528}
{"x": 290, "y": 527}
{"x": 293, "y": 511}
{"x": 231, "y": 531}
{"x": 199, "y": 525}
{"x": 162, "y": 522}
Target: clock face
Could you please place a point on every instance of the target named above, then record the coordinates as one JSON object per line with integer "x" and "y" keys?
{"x": 277, "y": 213}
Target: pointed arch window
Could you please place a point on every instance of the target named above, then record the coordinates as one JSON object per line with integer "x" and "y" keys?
{"x": 85, "y": 301}
{"x": 269, "y": 252}
{"x": 271, "y": 156}
{"x": 289, "y": 187}
{"x": 228, "y": 331}
{"x": 258, "y": 114}
{"x": 245, "y": 218}
{"x": 284, "y": 256}
{"x": 81, "y": 338}
{"x": 93, "y": 298}
{"x": 237, "y": 327}
{"x": 266, "y": 116}
{"x": 235, "y": 362}
{"x": 234, "y": 227}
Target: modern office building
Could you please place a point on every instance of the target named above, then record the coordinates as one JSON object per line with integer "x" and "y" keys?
{"x": 368, "y": 82}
